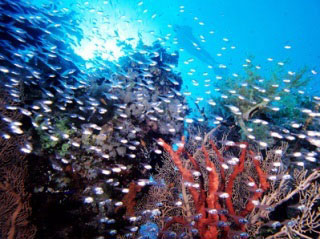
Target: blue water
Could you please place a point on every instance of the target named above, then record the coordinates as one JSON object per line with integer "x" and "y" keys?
{"x": 259, "y": 29}
{"x": 99, "y": 110}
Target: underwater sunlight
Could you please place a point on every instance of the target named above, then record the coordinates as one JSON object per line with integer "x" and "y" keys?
{"x": 144, "y": 119}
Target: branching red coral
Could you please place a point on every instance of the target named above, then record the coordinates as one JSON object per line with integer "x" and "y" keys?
{"x": 262, "y": 176}
{"x": 208, "y": 204}
{"x": 237, "y": 170}
{"x": 129, "y": 199}
{"x": 173, "y": 220}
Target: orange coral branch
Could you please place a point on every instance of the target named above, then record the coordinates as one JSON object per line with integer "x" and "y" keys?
{"x": 129, "y": 199}
{"x": 202, "y": 195}
{"x": 208, "y": 223}
{"x": 262, "y": 176}
{"x": 215, "y": 149}
{"x": 193, "y": 161}
{"x": 179, "y": 220}
{"x": 221, "y": 159}
{"x": 213, "y": 185}
{"x": 250, "y": 206}
{"x": 212, "y": 198}
{"x": 185, "y": 173}
{"x": 263, "y": 183}
{"x": 237, "y": 169}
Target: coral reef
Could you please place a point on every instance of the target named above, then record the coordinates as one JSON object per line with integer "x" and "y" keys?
{"x": 303, "y": 222}
{"x": 92, "y": 149}
{"x": 214, "y": 193}
{"x": 260, "y": 104}
{"x": 15, "y": 209}
{"x": 206, "y": 202}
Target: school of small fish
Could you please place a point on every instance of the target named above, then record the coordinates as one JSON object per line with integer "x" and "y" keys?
{"x": 103, "y": 122}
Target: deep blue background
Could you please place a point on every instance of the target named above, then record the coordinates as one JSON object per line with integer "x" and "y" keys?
{"x": 254, "y": 27}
